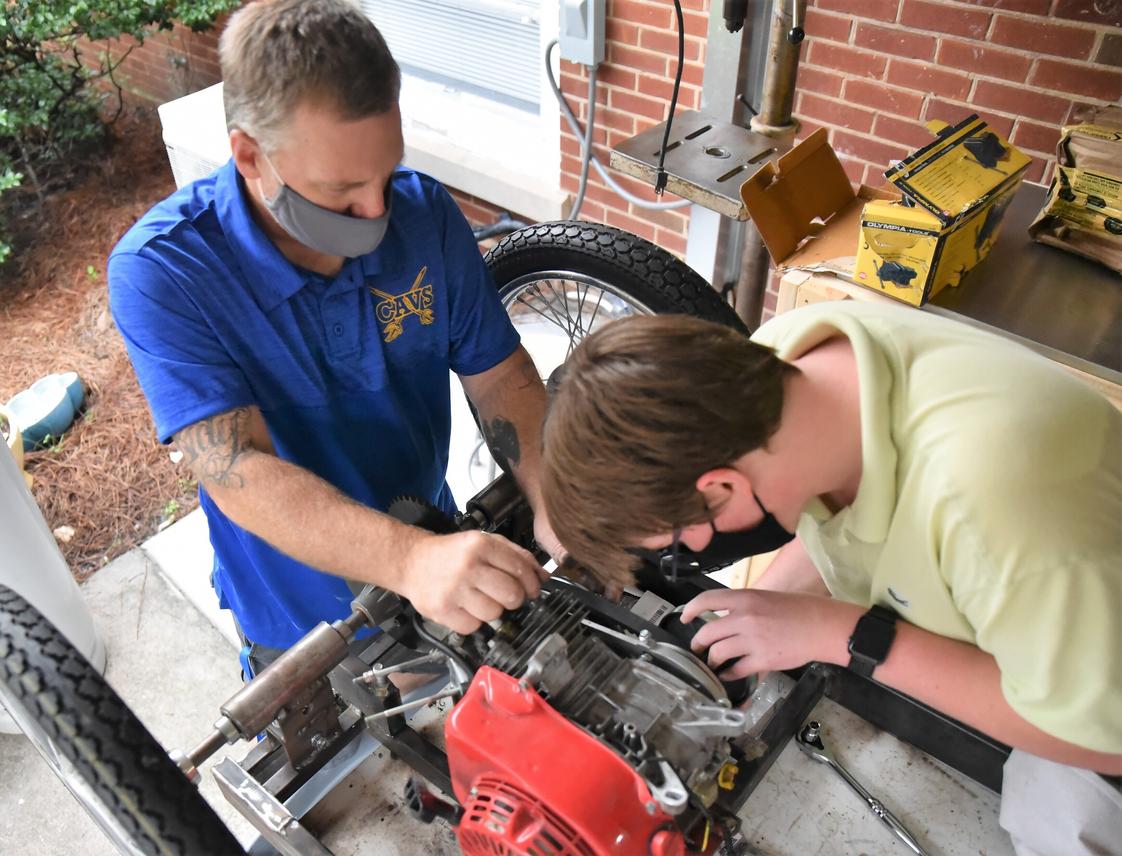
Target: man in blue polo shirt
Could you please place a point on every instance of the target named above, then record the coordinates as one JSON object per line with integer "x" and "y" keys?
{"x": 292, "y": 320}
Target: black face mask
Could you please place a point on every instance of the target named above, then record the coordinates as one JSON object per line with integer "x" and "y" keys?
{"x": 727, "y": 547}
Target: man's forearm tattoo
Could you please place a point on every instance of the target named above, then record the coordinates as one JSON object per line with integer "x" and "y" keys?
{"x": 502, "y": 440}
{"x": 213, "y": 447}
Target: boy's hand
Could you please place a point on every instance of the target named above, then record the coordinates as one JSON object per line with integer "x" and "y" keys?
{"x": 765, "y": 631}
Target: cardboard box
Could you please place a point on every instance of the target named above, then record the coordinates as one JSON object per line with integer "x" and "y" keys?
{"x": 1083, "y": 214}
{"x": 938, "y": 219}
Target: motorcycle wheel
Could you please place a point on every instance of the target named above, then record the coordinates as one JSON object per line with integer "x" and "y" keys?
{"x": 115, "y": 768}
{"x": 572, "y": 277}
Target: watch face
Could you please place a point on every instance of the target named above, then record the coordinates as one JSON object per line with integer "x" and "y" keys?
{"x": 872, "y": 638}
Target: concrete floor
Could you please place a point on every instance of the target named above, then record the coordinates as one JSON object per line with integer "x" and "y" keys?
{"x": 171, "y": 667}
{"x": 172, "y": 660}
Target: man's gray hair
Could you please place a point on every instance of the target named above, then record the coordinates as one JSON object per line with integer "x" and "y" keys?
{"x": 276, "y": 53}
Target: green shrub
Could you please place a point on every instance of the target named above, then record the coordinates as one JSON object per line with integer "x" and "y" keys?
{"x": 49, "y": 108}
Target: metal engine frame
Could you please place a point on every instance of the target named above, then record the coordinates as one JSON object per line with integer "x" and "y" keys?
{"x": 322, "y": 695}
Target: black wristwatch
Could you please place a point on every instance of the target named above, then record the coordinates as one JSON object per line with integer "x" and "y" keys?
{"x": 871, "y": 639}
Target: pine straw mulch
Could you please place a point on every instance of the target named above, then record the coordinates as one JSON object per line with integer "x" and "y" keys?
{"x": 108, "y": 478}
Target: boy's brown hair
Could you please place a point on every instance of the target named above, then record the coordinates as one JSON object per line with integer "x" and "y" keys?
{"x": 643, "y": 407}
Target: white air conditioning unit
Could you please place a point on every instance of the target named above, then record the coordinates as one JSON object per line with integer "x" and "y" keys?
{"x": 195, "y": 134}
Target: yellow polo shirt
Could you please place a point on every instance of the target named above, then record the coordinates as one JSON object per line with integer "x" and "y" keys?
{"x": 989, "y": 508}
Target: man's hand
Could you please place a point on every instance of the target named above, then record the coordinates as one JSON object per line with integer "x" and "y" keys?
{"x": 465, "y": 579}
{"x": 765, "y": 631}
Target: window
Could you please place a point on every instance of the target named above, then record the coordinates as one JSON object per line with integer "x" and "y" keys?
{"x": 477, "y": 112}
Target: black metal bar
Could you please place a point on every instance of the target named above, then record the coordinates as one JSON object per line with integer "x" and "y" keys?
{"x": 790, "y": 714}
{"x": 418, "y": 753}
{"x": 970, "y": 752}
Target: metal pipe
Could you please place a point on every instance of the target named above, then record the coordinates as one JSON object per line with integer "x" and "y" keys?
{"x": 774, "y": 120}
{"x": 257, "y": 703}
{"x": 780, "y": 73}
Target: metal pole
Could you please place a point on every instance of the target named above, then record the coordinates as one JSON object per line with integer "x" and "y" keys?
{"x": 774, "y": 120}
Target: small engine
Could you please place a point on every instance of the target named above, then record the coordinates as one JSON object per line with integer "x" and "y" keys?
{"x": 576, "y": 737}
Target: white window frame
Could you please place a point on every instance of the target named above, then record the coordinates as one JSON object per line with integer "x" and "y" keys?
{"x": 491, "y": 150}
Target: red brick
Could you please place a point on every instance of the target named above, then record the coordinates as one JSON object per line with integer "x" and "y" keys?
{"x": 1020, "y": 101}
{"x": 850, "y": 60}
{"x": 1029, "y": 7}
{"x": 616, "y": 120}
{"x": 818, "y": 81}
{"x": 898, "y": 42}
{"x": 881, "y": 10}
{"x": 638, "y": 59}
{"x": 823, "y": 25}
{"x": 977, "y": 58}
{"x": 874, "y": 176}
{"x": 806, "y": 128}
{"x": 666, "y": 42}
{"x": 614, "y": 75}
{"x": 1036, "y": 137}
{"x": 657, "y": 87}
{"x": 952, "y": 113}
{"x": 1101, "y": 83}
{"x": 693, "y": 73}
{"x": 674, "y": 221}
{"x": 689, "y": 98}
{"x": 631, "y": 224}
{"x": 836, "y": 113}
{"x": 619, "y": 32}
{"x": 911, "y": 134}
{"x": 927, "y": 78}
{"x": 854, "y": 169}
{"x": 591, "y": 211}
{"x": 942, "y": 19}
{"x": 601, "y": 194}
{"x": 1037, "y": 170}
{"x": 868, "y": 149}
{"x": 1044, "y": 36}
{"x": 1101, "y": 12}
{"x": 898, "y": 102}
{"x": 660, "y": 15}
{"x": 672, "y": 242}
{"x": 697, "y": 24}
{"x": 638, "y": 104}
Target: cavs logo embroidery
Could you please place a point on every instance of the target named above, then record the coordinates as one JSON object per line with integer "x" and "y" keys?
{"x": 393, "y": 309}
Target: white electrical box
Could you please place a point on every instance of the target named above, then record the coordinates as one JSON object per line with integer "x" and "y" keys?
{"x": 194, "y": 130}
{"x": 581, "y": 34}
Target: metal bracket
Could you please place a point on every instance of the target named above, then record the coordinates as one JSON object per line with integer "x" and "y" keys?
{"x": 706, "y": 160}
{"x": 268, "y": 816}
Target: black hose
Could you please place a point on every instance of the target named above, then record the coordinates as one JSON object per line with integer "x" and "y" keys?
{"x": 503, "y": 226}
{"x": 454, "y": 658}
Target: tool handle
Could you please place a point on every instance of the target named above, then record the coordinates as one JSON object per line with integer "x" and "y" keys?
{"x": 878, "y": 808}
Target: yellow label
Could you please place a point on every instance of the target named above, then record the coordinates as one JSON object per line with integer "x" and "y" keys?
{"x": 1092, "y": 184}
{"x": 961, "y": 171}
{"x": 1096, "y": 131}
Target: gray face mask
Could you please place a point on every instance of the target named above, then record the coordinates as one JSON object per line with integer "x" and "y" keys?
{"x": 321, "y": 229}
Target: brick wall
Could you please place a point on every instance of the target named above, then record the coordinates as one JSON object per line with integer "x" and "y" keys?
{"x": 167, "y": 65}
{"x": 633, "y": 94}
{"x": 874, "y": 71}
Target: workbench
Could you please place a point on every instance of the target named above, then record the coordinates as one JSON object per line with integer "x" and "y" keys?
{"x": 1061, "y": 305}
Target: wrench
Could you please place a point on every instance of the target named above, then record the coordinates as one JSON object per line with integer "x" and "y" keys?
{"x": 810, "y": 742}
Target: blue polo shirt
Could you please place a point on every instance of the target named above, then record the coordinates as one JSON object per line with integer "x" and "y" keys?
{"x": 350, "y": 373}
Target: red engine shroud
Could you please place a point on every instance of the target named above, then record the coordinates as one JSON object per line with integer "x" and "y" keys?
{"x": 531, "y": 782}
